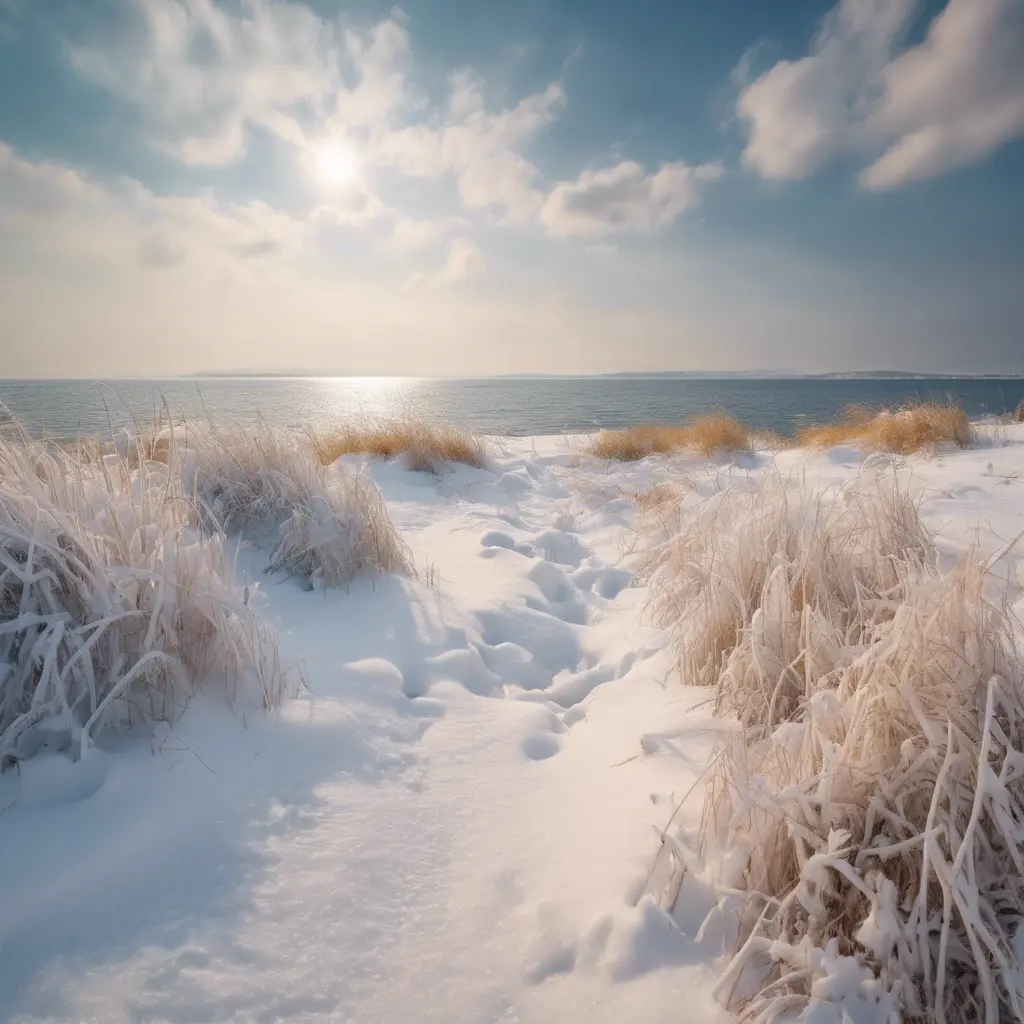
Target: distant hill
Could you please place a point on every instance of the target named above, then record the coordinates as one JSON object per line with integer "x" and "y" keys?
{"x": 661, "y": 375}
{"x": 777, "y": 375}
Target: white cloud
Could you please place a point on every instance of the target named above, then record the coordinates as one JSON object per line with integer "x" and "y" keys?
{"x": 202, "y": 76}
{"x": 803, "y": 113}
{"x": 409, "y": 233}
{"x": 944, "y": 103}
{"x": 625, "y": 198}
{"x": 381, "y": 90}
{"x": 56, "y": 211}
{"x": 103, "y": 279}
{"x": 482, "y": 150}
{"x": 463, "y": 262}
{"x": 956, "y": 97}
{"x": 355, "y": 207}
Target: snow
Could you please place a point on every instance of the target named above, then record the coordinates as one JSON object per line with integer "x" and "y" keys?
{"x": 462, "y": 819}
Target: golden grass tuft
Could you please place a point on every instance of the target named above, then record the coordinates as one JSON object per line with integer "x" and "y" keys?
{"x": 769, "y": 440}
{"x": 705, "y": 435}
{"x": 1019, "y": 414}
{"x": 918, "y": 427}
{"x": 654, "y": 498}
{"x": 423, "y": 446}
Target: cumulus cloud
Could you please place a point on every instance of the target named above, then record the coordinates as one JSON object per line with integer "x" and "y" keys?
{"x": 380, "y": 91}
{"x": 55, "y": 210}
{"x": 202, "y": 76}
{"x": 410, "y": 233}
{"x": 946, "y": 102}
{"x": 956, "y": 97}
{"x": 462, "y": 262}
{"x": 481, "y": 149}
{"x": 355, "y": 207}
{"x": 625, "y": 198}
{"x": 205, "y": 74}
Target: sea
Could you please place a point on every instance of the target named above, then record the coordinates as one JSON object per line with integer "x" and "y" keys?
{"x": 514, "y": 406}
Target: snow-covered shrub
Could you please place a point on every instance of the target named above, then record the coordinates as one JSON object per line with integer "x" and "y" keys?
{"x": 875, "y": 792}
{"x": 112, "y": 607}
{"x": 331, "y": 522}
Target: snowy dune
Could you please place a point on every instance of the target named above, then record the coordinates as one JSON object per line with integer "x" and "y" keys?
{"x": 461, "y": 819}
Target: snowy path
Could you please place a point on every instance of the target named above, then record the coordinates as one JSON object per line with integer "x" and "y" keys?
{"x": 453, "y": 826}
{"x": 457, "y": 822}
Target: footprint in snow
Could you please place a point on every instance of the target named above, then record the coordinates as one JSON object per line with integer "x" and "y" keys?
{"x": 495, "y": 540}
{"x": 541, "y": 746}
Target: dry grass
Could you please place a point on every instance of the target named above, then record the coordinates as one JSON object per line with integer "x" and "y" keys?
{"x": 114, "y": 607}
{"x": 769, "y": 440}
{"x": 917, "y": 427}
{"x": 1018, "y": 416}
{"x": 705, "y": 435}
{"x": 117, "y": 596}
{"x": 728, "y": 555}
{"x": 872, "y": 803}
{"x": 422, "y": 446}
{"x": 656, "y": 498}
{"x": 331, "y": 525}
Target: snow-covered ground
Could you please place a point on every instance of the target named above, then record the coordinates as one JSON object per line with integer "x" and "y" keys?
{"x": 460, "y": 820}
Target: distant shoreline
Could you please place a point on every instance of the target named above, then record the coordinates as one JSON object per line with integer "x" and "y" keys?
{"x": 653, "y": 375}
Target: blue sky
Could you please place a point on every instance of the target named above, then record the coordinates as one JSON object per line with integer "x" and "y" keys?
{"x": 458, "y": 187}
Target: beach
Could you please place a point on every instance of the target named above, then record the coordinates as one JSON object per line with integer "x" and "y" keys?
{"x": 483, "y": 804}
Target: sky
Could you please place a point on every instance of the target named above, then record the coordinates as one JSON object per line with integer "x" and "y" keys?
{"x": 464, "y": 187}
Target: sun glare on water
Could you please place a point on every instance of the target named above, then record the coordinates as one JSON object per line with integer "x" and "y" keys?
{"x": 337, "y": 165}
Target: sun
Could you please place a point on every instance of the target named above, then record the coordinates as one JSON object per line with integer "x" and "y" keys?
{"x": 336, "y": 164}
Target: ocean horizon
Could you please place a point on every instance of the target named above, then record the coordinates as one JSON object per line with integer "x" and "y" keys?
{"x": 506, "y": 405}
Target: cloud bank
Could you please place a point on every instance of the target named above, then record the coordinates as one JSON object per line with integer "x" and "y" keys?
{"x": 202, "y": 79}
{"x": 913, "y": 112}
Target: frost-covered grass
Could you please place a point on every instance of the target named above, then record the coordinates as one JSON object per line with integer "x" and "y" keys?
{"x": 760, "y": 542}
{"x": 117, "y": 596}
{"x": 872, "y": 802}
{"x": 705, "y": 435}
{"x": 917, "y": 427}
{"x": 422, "y": 446}
{"x": 331, "y": 524}
{"x": 113, "y": 608}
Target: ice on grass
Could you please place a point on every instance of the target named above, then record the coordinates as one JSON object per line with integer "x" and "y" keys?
{"x": 118, "y": 597}
{"x": 496, "y": 798}
{"x": 876, "y": 784}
